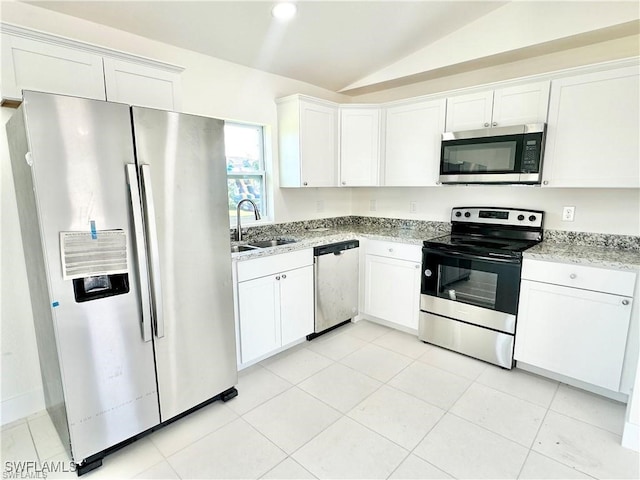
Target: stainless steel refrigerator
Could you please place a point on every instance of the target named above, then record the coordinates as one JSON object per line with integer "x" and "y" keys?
{"x": 124, "y": 220}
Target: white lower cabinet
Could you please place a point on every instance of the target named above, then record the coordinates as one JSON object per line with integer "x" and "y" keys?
{"x": 274, "y": 302}
{"x": 574, "y": 320}
{"x": 392, "y": 283}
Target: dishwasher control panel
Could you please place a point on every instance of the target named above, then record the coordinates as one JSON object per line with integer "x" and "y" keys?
{"x": 335, "y": 247}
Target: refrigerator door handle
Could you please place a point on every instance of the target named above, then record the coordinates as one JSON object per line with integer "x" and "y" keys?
{"x": 154, "y": 253}
{"x": 134, "y": 192}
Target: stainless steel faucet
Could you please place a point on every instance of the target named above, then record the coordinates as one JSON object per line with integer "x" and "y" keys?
{"x": 255, "y": 210}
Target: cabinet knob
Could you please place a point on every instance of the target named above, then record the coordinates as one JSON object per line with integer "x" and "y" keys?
{"x": 625, "y": 302}
{"x": 391, "y": 250}
{"x": 546, "y": 182}
{"x": 572, "y": 276}
{"x": 486, "y": 124}
{"x": 305, "y": 184}
{"x": 494, "y": 124}
{"x": 277, "y": 277}
{"x": 417, "y": 265}
{"x": 284, "y": 276}
{"x": 344, "y": 183}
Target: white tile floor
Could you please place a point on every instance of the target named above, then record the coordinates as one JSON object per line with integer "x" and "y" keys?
{"x": 370, "y": 402}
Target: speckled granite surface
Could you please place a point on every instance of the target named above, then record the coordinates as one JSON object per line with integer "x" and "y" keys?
{"x": 313, "y": 233}
{"x": 603, "y": 250}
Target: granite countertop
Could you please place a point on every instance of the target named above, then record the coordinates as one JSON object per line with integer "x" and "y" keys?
{"x": 315, "y": 237}
{"x": 596, "y": 256}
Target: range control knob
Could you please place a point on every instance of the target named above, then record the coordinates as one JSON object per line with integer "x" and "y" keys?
{"x": 520, "y": 217}
{"x": 428, "y": 273}
{"x": 467, "y": 214}
{"x": 458, "y": 214}
{"x": 532, "y": 218}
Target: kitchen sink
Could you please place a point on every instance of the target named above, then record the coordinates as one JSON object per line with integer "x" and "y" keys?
{"x": 260, "y": 244}
{"x": 241, "y": 248}
{"x": 271, "y": 243}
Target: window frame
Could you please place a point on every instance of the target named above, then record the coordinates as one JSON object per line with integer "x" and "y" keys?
{"x": 261, "y": 173}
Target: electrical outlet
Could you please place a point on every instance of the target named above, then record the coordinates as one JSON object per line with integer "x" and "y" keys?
{"x": 319, "y": 206}
{"x": 373, "y": 205}
{"x": 413, "y": 207}
{"x": 568, "y": 214}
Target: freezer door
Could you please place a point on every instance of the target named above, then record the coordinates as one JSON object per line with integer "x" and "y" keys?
{"x": 183, "y": 169}
{"x": 79, "y": 149}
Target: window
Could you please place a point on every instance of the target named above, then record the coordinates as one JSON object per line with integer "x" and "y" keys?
{"x": 244, "y": 149}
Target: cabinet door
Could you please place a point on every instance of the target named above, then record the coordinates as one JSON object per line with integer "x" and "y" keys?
{"x": 31, "y": 65}
{"x": 413, "y": 136}
{"x": 593, "y": 131}
{"x": 469, "y": 112}
{"x": 296, "y": 304}
{"x": 521, "y": 104}
{"x": 259, "y": 313}
{"x": 392, "y": 290}
{"x": 318, "y": 144}
{"x": 135, "y": 84}
{"x": 359, "y": 146}
{"x": 577, "y": 333}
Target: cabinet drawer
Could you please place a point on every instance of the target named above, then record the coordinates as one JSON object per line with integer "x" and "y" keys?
{"x": 617, "y": 282}
{"x": 401, "y": 251}
{"x": 261, "y": 267}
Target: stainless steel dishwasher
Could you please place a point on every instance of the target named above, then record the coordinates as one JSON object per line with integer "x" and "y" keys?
{"x": 336, "y": 281}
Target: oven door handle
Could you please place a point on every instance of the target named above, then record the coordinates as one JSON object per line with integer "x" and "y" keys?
{"x": 496, "y": 258}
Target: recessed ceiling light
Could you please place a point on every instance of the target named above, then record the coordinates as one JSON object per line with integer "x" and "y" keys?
{"x": 284, "y": 11}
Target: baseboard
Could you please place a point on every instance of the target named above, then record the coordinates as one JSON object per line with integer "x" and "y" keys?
{"x": 21, "y": 406}
{"x": 631, "y": 436}
{"x": 617, "y": 396}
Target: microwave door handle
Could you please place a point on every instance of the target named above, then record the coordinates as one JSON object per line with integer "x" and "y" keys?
{"x": 136, "y": 206}
{"x": 154, "y": 252}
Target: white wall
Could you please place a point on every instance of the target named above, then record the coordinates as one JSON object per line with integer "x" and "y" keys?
{"x": 602, "y": 210}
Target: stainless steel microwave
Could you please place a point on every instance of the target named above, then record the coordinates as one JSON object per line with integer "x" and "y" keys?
{"x": 505, "y": 155}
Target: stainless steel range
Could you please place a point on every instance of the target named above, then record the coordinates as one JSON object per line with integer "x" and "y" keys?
{"x": 471, "y": 281}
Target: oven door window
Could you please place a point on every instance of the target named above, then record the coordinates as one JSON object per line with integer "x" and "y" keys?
{"x": 463, "y": 284}
{"x": 483, "y": 283}
{"x": 484, "y": 155}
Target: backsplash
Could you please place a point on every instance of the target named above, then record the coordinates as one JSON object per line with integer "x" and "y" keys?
{"x": 586, "y": 239}
{"x": 355, "y": 223}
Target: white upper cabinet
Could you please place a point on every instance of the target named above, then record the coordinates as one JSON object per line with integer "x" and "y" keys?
{"x": 48, "y": 63}
{"x": 136, "y": 84}
{"x": 32, "y": 65}
{"x": 359, "y": 145}
{"x": 593, "y": 131}
{"x": 308, "y": 142}
{"x": 413, "y": 136}
{"x": 469, "y": 112}
{"x": 520, "y": 104}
